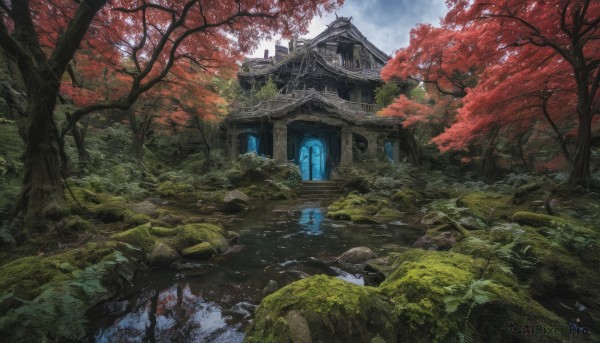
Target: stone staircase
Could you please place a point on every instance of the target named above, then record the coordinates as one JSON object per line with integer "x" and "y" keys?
{"x": 319, "y": 190}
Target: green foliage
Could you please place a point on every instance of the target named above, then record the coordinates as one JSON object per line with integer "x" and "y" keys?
{"x": 573, "y": 240}
{"x": 474, "y": 294}
{"x": 267, "y": 91}
{"x": 386, "y": 94}
{"x": 418, "y": 94}
{"x": 59, "y": 312}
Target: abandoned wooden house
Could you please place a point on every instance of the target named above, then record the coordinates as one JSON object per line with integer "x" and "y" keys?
{"x": 324, "y": 115}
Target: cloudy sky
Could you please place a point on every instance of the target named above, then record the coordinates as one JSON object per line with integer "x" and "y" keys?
{"x": 386, "y": 23}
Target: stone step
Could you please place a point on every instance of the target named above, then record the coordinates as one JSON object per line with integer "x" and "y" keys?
{"x": 329, "y": 188}
{"x": 320, "y": 191}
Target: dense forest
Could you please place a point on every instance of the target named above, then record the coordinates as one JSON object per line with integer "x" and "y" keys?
{"x": 124, "y": 218}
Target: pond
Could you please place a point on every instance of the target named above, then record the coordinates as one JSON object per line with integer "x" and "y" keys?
{"x": 213, "y": 301}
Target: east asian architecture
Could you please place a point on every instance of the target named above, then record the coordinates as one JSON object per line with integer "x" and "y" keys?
{"x": 324, "y": 114}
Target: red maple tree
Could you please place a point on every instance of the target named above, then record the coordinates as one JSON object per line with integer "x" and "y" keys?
{"x": 513, "y": 63}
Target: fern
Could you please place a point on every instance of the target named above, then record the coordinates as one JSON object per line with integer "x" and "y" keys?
{"x": 59, "y": 311}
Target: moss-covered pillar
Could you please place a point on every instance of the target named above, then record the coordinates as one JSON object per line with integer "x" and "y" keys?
{"x": 232, "y": 142}
{"x": 372, "y": 146}
{"x": 280, "y": 141}
{"x": 346, "y": 158}
{"x": 396, "y": 150}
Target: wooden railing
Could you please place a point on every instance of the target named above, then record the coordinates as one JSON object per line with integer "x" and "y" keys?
{"x": 282, "y": 100}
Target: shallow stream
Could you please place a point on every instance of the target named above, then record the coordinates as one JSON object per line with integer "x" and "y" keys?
{"x": 214, "y": 300}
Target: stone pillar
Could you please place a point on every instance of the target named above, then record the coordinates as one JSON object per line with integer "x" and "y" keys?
{"x": 280, "y": 141}
{"x": 372, "y": 146}
{"x": 233, "y": 145}
{"x": 346, "y": 158}
{"x": 396, "y": 150}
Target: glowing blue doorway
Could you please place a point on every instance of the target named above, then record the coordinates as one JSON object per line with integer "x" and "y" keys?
{"x": 252, "y": 143}
{"x": 313, "y": 156}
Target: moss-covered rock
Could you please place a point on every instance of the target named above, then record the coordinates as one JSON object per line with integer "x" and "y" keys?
{"x": 488, "y": 206}
{"x": 26, "y": 276}
{"x": 421, "y": 280}
{"x": 75, "y": 224}
{"x": 111, "y": 212}
{"x": 357, "y": 208}
{"x": 407, "y": 199}
{"x": 325, "y": 309}
{"x": 173, "y": 188}
{"x": 135, "y": 219}
{"x": 202, "y": 250}
{"x": 139, "y": 237}
{"x": 163, "y": 231}
{"x": 192, "y": 234}
{"x": 162, "y": 254}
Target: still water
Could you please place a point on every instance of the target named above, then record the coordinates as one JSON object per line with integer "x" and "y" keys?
{"x": 213, "y": 301}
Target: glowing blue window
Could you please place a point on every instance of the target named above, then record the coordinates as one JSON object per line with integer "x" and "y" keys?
{"x": 310, "y": 220}
{"x": 389, "y": 151}
{"x": 312, "y": 159}
{"x": 253, "y": 142}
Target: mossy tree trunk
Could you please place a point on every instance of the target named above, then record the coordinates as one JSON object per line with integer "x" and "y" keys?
{"x": 42, "y": 196}
{"x": 139, "y": 131}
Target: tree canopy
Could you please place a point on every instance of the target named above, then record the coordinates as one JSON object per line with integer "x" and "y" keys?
{"x": 512, "y": 65}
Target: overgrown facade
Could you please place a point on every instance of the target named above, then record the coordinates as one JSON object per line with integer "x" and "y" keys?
{"x": 324, "y": 114}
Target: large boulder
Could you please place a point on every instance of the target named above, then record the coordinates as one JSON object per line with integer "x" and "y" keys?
{"x": 322, "y": 309}
{"x": 162, "y": 254}
{"x": 235, "y": 200}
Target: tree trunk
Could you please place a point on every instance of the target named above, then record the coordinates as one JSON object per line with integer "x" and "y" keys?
{"x": 139, "y": 133}
{"x": 42, "y": 194}
{"x": 580, "y": 174}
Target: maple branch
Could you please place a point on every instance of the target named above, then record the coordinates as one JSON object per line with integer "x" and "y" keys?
{"x": 9, "y": 44}
{"x": 70, "y": 40}
{"x": 137, "y": 88}
{"x": 142, "y": 42}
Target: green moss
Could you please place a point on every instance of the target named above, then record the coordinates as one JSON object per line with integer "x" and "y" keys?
{"x": 544, "y": 220}
{"x": 407, "y": 198}
{"x": 202, "y": 250}
{"x": 488, "y": 206}
{"x": 111, "y": 212}
{"x": 192, "y": 234}
{"x": 77, "y": 224}
{"x": 422, "y": 279}
{"x": 172, "y": 188}
{"x": 137, "y": 219}
{"x": 335, "y": 311}
{"x": 26, "y": 276}
{"x": 138, "y": 236}
{"x": 356, "y": 208}
{"x": 388, "y": 212}
{"x": 163, "y": 231}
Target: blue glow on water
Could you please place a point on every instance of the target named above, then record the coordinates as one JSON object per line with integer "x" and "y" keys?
{"x": 312, "y": 159}
{"x": 253, "y": 142}
{"x": 311, "y": 219}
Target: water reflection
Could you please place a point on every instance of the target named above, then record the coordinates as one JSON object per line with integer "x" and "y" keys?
{"x": 177, "y": 315}
{"x": 311, "y": 219}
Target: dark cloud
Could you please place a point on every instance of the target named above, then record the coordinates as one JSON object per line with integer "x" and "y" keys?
{"x": 386, "y": 23}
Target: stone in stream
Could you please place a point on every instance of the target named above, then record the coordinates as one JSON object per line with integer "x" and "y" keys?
{"x": 145, "y": 207}
{"x": 443, "y": 241}
{"x": 271, "y": 287}
{"x": 162, "y": 254}
{"x": 356, "y": 255}
{"x": 235, "y": 200}
{"x": 298, "y": 326}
